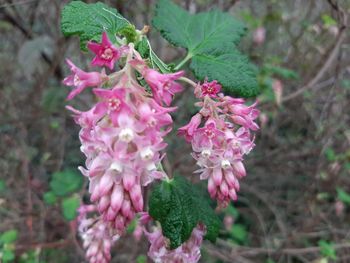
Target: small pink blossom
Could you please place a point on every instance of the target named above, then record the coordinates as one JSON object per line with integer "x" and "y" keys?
{"x": 106, "y": 53}
{"x": 277, "y": 87}
{"x": 163, "y": 85}
{"x": 210, "y": 89}
{"x": 228, "y": 222}
{"x": 188, "y": 252}
{"x": 339, "y": 208}
{"x": 259, "y": 35}
{"x": 209, "y": 133}
{"x": 81, "y": 79}
{"x": 112, "y": 102}
{"x": 188, "y": 130}
{"x": 138, "y": 231}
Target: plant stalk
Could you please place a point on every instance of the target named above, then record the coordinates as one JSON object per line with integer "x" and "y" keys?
{"x": 183, "y": 62}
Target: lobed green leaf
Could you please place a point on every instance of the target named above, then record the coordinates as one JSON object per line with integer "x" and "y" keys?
{"x": 211, "y": 40}
{"x": 89, "y": 21}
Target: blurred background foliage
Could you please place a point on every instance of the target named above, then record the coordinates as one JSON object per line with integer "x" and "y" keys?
{"x": 294, "y": 205}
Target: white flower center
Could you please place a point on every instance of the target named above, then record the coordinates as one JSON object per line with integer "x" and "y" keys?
{"x": 225, "y": 164}
{"x": 107, "y": 54}
{"x": 151, "y": 167}
{"x": 167, "y": 85}
{"x": 206, "y": 153}
{"x": 116, "y": 167}
{"x": 146, "y": 154}
{"x": 126, "y": 135}
{"x": 76, "y": 80}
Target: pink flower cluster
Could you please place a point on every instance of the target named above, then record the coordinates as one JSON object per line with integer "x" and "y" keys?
{"x": 98, "y": 235}
{"x": 220, "y": 135}
{"x": 122, "y": 134}
{"x": 188, "y": 252}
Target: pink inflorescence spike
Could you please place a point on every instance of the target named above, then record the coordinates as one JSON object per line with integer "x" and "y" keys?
{"x": 220, "y": 135}
{"x": 122, "y": 139}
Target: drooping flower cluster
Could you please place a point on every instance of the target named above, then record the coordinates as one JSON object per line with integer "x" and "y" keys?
{"x": 188, "y": 252}
{"x": 220, "y": 135}
{"x": 98, "y": 236}
{"x": 122, "y": 135}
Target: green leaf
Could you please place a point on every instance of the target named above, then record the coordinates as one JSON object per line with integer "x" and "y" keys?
{"x": 200, "y": 33}
{"x": 328, "y": 21}
{"x": 7, "y": 255}
{"x": 343, "y": 196}
{"x": 232, "y": 70}
{"x": 146, "y": 52}
{"x": 327, "y": 249}
{"x": 345, "y": 83}
{"x": 89, "y": 21}
{"x": 231, "y": 210}
{"x": 330, "y": 155}
{"x": 239, "y": 232}
{"x": 50, "y": 198}
{"x": 2, "y": 186}
{"x": 143, "y": 47}
{"x": 65, "y": 182}
{"x": 132, "y": 226}
{"x": 280, "y": 72}
{"x": 141, "y": 259}
{"x": 211, "y": 40}
{"x": 9, "y": 236}
{"x": 129, "y": 32}
{"x": 69, "y": 207}
{"x": 179, "y": 207}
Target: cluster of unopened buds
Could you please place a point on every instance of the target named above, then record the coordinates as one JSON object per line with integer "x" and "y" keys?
{"x": 122, "y": 137}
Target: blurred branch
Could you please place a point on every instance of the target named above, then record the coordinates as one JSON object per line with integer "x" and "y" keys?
{"x": 332, "y": 56}
{"x": 333, "y": 53}
{"x": 19, "y": 3}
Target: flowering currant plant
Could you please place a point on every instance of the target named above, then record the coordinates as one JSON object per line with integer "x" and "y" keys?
{"x": 122, "y": 134}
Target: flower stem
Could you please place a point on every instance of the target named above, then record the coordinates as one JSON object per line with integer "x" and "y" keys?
{"x": 183, "y": 62}
{"x": 187, "y": 80}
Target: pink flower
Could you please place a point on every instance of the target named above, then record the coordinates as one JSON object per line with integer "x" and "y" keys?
{"x": 163, "y": 85}
{"x": 112, "y": 103}
{"x": 277, "y": 87}
{"x": 81, "y": 79}
{"x": 210, "y": 88}
{"x": 209, "y": 133}
{"x": 189, "y": 129}
{"x": 259, "y": 35}
{"x": 152, "y": 115}
{"x": 188, "y": 252}
{"x": 228, "y": 222}
{"x": 106, "y": 53}
{"x": 241, "y": 114}
{"x": 138, "y": 231}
